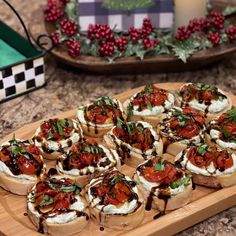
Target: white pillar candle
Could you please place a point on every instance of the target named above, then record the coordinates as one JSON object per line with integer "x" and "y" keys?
{"x": 186, "y": 10}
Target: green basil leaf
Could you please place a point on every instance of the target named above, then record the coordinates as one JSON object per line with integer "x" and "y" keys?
{"x": 159, "y": 166}
{"x": 149, "y": 106}
{"x": 184, "y": 181}
{"x": 202, "y": 149}
{"x": 59, "y": 128}
{"x": 16, "y": 150}
{"x": 129, "y": 111}
{"x": 47, "y": 200}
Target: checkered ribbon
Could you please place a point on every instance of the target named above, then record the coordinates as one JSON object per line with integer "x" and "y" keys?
{"x": 92, "y": 11}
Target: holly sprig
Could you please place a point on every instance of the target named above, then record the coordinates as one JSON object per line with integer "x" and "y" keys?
{"x": 102, "y": 41}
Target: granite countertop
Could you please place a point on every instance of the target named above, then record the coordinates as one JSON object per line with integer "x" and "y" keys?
{"x": 67, "y": 88}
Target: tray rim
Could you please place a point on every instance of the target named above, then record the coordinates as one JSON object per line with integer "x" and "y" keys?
{"x": 188, "y": 215}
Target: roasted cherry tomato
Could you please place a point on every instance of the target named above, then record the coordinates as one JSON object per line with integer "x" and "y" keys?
{"x": 27, "y": 166}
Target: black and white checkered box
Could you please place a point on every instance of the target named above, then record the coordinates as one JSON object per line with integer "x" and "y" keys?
{"x": 21, "y": 78}
{"x": 92, "y": 11}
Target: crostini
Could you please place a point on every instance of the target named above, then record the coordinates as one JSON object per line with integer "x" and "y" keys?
{"x": 182, "y": 127}
{"x": 206, "y": 98}
{"x": 134, "y": 142}
{"x": 56, "y": 207}
{"x": 86, "y": 159}
{"x": 150, "y": 105}
{"x": 115, "y": 201}
{"x": 209, "y": 166}
{"x": 98, "y": 118}
{"x": 222, "y": 131}
{"x": 21, "y": 165}
{"x": 55, "y": 136}
{"x": 163, "y": 185}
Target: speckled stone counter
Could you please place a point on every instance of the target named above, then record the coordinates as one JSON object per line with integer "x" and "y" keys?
{"x": 67, "y": 88}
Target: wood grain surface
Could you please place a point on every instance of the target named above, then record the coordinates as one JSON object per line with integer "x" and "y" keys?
{"x": 205, "y": 202}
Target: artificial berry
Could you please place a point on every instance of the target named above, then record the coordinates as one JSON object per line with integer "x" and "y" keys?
{"x": 55, "y": 38}
{"x": 63, "y": 2}
{"x": 231, "y": 33}
{"x": 68, "y": 27}
{"x": 135, "y": 34}
{"x": 73, "y": 48}
{"x": 52, "y": 12}
{"x": 150, "y": 43}
{"x": 203, "y": 24}
{"x": 106, "y": 48}
{"x": 183, "y": 33}
{"x": 147, "y": 27}
{"x": 100, "y": 31}
{"x": 193, "y": 26}
{"x": 214, "y": 37}
{"x": 121, "y": 43}
{"x": 217, "y": 20}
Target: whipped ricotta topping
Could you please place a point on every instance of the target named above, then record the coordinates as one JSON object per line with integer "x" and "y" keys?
{"x": 74, "y": 137}
{"x": 125, "y": 208}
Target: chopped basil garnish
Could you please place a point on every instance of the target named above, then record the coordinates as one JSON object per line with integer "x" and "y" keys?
{"x": 129, "y": 110}
{"x": 16, "y": 150}
{"x": 92, "y": 149}
{"x": 106, "y": 101}
{"x": 47, "y": 200}
{"x": 60, "y": 128}
{"x": 117, "y": 178}
{"x": 184, "y": 181}
{"x": 159, "y": 166}
{"x": 203, "y": 149}
{"x": 232, "y": 114}
{"x": 129, "y": 127}
{"x": 148, "y": 89}
{"x": 149, "y": 106}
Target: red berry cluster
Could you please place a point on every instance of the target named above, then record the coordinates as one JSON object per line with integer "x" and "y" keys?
{"x": 217, "y": 20}
{"x": 183, "y": 33}
{"x": 150, "y": 43}
{"x": 52, "y": 11}
{"x": 135, "y": 34}
{"x": 73, "y": 48}
{"x": 55, "y": 38}
{"x": 121, "y": 43}
{"x": 63, "y": 2}
{"x": 147, "y": 28}
{"x": 68, "y": 27}
{"x": 231, "y": 33}
{"x": 100, "y": 31}
{"x": 214, "y": 37}
{"x": 107, "y": 48}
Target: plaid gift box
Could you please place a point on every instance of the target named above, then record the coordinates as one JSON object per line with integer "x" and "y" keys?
{"x": 21, "y": 65}
{"x": 92, "y": 11}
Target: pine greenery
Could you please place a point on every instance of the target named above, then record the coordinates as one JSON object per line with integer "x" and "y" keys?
{"x": 127, "y": 5}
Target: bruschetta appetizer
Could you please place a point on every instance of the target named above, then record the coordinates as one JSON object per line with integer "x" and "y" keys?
{"x": 55, "y": 136}
{"x": 98, "y": 118}
{"x": 56, "y": 207}
{"x": 206, "y": 98}
{"x": 86, "y": 159}
{"x": 150, "y": 105}
{"x": 209, "y": 165}
{"x": 222, "y": 131}
{"x": 134, "y": 142}
{"x": 182, "y": 127}
{"x": 115, "y": 201}
{"x": 163, "y": 185}
{"x": 21, "y": 165}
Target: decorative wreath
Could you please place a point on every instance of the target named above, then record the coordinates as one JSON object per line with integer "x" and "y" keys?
{"x": 102, "y": 41}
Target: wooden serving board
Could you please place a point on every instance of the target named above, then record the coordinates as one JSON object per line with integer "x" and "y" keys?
{"x": 205, "y": 202}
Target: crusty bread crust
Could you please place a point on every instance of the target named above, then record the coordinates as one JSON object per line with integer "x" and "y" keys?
{"x": 97, "y": 132}
{"x": 15, "y": 185}
{"x": 51, "y": 156}
{"x": 119, "y": 221}
{"x": 69, "y": 228}
{"x": 135, "y": 158}
{"x": 173, "y": 203}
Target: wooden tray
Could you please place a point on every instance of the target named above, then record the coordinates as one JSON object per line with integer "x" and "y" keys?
{"x": 205, "y": 202}
{"x": 132, "y": 65}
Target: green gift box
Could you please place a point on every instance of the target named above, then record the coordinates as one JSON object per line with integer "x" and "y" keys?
{"x": 21, "y": 64}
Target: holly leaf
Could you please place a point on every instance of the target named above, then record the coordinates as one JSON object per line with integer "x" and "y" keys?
{"x": 229, "y": 10}
{"x": 71, "y": 11}
{"x": 204, "y": 44}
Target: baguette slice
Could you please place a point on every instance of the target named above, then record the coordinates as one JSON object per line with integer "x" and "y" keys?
{"x": 113, "y": 109}
{"x": 65, "y": 223}
{"x": 133, "y": 156}
{"x": 103, "y": 160}
{"x": 121, "y": 218}
{"x": 199, "y": 105}
{"x": 214, "y": 174}
{"x": 158, "y": 198}
{"x": 52, "y": 147}
{"x": 142, "y": 112}
{"x": 20, "y": 181}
